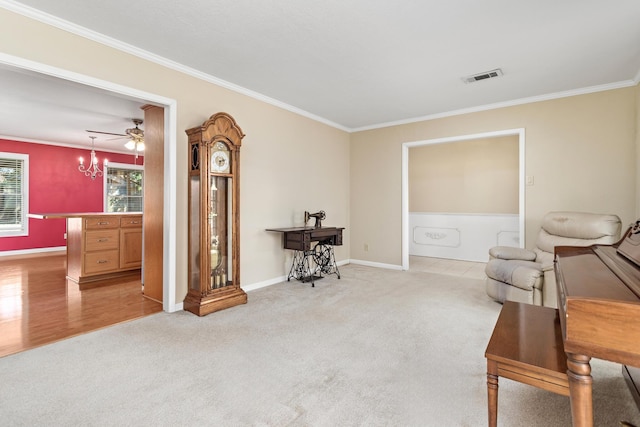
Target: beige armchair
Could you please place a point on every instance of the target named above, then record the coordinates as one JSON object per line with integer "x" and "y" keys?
{"x": 523, "y": 275}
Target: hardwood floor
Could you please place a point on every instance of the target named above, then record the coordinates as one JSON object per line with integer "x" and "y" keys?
{"x": 38, "y": 305}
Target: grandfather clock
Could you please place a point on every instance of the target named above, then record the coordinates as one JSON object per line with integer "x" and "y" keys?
{"x": 214, "y": 224}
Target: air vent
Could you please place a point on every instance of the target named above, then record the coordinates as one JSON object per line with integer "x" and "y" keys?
{"x": 483, "y": 76}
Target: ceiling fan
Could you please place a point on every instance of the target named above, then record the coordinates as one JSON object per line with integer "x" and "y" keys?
{"x": 135, "y": 135}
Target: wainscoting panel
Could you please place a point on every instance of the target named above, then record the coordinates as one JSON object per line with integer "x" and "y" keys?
{"x": 461, "y": 236}
{"x": 509, "y": 238}
{"x": 436, "y": 236}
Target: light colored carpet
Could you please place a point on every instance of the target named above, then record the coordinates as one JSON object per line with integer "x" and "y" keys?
{"x": 376, "y": 348}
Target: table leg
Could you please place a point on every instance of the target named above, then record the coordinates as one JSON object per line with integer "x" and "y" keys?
{"x": 311, "y": 274}
{"x": 295, "y": 266}
{"x": 301, "y": 267}
{"x": 492, "y": 392}
{"x": 580, "y": 389}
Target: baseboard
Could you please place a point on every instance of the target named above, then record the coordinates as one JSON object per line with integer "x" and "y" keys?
{"x": 263, "y": 284}
{"x": 376, "y": 264}
{"x": 276, "y": 280}
{"x": 28, "y": 253}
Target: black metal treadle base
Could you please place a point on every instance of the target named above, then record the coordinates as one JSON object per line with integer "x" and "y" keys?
{"x": 322, "y": 259}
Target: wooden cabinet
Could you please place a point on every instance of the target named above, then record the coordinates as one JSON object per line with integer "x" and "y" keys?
{"x": 103, "y": 246}
{"x": 130, "y": 242}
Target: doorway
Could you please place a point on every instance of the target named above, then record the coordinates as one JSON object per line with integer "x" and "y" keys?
{"x": 170, "y": 162}
{"x": 406, "y": 229}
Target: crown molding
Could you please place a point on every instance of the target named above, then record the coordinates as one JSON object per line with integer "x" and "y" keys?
{"x": 65, "y": 145}
{"x": 521, "y": 101}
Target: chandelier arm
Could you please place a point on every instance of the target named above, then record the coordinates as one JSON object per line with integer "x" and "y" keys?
{"x": 94, "y": 168}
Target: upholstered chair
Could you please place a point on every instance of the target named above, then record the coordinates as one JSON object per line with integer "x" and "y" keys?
{"x": 524, "y": 275}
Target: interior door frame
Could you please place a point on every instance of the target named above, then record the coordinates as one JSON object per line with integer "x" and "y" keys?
{"x": 170, "y": 158}
{"x": 405, "y": 179}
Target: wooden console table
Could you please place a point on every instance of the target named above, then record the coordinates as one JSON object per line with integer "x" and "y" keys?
{"x": 526, "y": 346}
{"x": 321, "y": 256}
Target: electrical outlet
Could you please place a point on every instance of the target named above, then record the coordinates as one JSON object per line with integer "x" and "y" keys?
{"x": 65, "y": 236}
{"x": 366, "y": 247}
{"x": 530, "y": 180}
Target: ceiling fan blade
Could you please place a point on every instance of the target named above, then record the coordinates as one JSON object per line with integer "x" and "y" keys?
{"x": 105, "y": 133}
{"x": 117, "y": 138}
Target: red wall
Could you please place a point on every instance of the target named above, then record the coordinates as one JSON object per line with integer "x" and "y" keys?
{"x": 56, "y": 186}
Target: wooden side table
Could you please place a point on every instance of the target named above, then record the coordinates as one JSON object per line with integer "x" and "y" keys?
{"x": 526, "y": 346}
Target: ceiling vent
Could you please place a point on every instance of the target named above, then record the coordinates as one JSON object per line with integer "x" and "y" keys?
{"x": 483, "y": 76}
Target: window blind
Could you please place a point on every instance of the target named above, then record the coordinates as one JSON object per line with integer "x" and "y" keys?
{"x": 124, "y": 189}
{"x": 11, "y": 193}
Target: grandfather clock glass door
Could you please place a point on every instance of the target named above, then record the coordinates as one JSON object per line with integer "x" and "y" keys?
{"x": 220, "y": 233}
{"x": 214, "y": 252}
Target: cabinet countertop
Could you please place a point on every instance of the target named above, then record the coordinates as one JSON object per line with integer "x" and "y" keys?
{"x": 80, "y": 214}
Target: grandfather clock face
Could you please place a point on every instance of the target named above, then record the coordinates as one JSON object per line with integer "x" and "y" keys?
{"x": 220, "y": 158}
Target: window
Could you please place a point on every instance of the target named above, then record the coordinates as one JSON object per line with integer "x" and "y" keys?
{"x": 123, "y": 187}
{"x": 14, "y": 194}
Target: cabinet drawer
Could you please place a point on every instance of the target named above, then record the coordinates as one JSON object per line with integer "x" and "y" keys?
{"x": 100, "y": 240}
{"x": 101, "y": 222}
{"x": 100, "y": 262}
{"x": 131, "y": 221}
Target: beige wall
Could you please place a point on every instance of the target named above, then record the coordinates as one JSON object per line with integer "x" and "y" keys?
{"x": 476, "y": 176}
{"x": 581, "y": 151}
{"x": 289, "y": 163}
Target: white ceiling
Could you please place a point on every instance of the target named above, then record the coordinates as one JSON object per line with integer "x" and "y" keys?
{"x": 355, "y": 64}
{"x": 41, "y": 108}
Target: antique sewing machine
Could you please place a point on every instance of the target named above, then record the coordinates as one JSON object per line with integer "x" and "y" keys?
{"x": 312, "y": 262}
{"x": 319, "y": 216}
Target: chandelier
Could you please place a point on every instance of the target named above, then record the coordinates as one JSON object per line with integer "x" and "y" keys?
{"x": 94, "y": 169}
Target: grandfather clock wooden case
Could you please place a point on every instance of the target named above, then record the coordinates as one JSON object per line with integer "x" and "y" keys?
{"x": 214, "y": 225}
